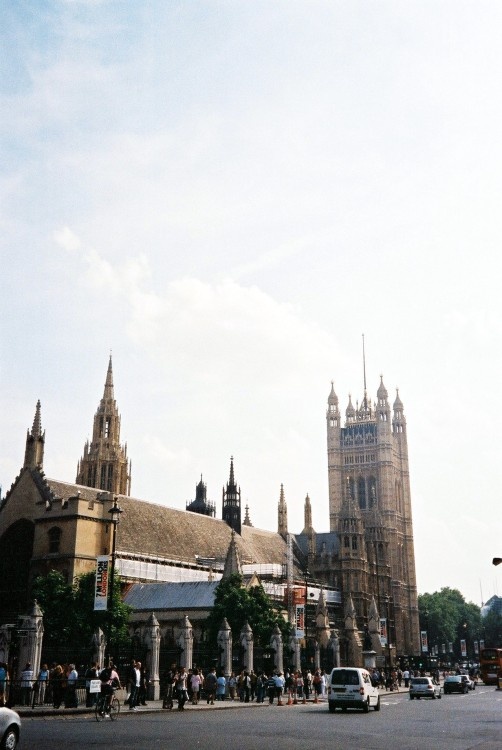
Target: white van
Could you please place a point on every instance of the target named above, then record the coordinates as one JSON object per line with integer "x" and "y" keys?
{"x": 350, "y": 687}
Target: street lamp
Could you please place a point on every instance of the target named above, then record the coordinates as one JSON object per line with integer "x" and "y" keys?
{"x": 115, "y": 512}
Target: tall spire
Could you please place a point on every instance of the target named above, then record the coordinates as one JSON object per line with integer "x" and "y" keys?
{"x": 282, "y": 514}
{"x": 108, "y": 394}
{"x": 233, "y": 559}
{"x": 35, "y": 440}
{"x": 231, "y": 502}
{"x": 36, "y": 430}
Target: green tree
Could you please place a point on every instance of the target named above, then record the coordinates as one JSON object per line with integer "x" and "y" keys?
{"x": 448, "y": 618}
{"x": 239, "y": 605}
{"x": 69, "y": 614}
{"x": 55, "y": 598}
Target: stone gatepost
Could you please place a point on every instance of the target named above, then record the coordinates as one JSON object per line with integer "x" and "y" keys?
{"x": 374, "y": 629}
{"x": 277, "y": 646}
{"x": 247, "y": 645}
{"x": 152, "y": 642}
{"x": 224, "y": 641}
{"x": 31, "y": 633}
{"x": 185, "y": 642}
{"x": 294, "y": 647}
{"x": 354, "y": 645}
{"x": 98, "y": 644}
{"x": 334, "y": 647}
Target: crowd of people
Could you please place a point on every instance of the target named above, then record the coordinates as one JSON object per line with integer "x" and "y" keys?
{"x": 187, "y": 686}
{"x": 57, "y": 685}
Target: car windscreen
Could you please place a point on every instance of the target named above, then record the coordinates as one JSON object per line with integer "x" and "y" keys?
{"x": 345, "y": 677}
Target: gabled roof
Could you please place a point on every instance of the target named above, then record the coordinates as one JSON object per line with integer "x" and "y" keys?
{"x": 152, "y": 529}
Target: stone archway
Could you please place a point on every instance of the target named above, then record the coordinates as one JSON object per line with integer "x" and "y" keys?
{"x": 16, "y": 551}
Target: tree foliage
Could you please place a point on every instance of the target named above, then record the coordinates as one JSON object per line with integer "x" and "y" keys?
{"x": 239, "y": 605}
{"x": 68, "y": 610}
{"x": 448, "y": 618}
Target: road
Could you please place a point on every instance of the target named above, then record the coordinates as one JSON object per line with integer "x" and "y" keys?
{"x": 462, "y": 722}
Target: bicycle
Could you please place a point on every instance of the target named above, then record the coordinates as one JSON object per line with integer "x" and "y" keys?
{"x": 101, "y": 711}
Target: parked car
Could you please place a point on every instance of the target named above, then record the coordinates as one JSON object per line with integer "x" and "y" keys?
{"x": 351, "y": 687}
{"x": 10, "y": 727}
{"x": 424, "y": 687}
{"x": 456, "y": 683}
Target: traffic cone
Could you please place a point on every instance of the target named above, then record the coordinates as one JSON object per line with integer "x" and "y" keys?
{"x": 315, "y": 697}
{"x": 304, "y": 701}
{"x": 289, "y": 699}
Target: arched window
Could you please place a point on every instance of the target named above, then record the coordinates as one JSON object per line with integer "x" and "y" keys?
{"x": 54, "y": 539}
{"x": 354, "y": 542}
{"x": 361, "y": 492}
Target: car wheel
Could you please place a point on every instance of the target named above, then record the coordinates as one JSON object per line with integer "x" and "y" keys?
{"x": 9, "y": 740}
{"x": 332, "y": 708}
{"x": 433, "y": 696}
{"x": 411, "y": 697}
{"x": 439, "y": 695}
{"x": 366, "y": 706}
{"x": 377, "y": 704}
{"x": 344, "y": 708}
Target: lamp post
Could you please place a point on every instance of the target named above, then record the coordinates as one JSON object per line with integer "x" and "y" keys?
{"x": 115, "y": 512}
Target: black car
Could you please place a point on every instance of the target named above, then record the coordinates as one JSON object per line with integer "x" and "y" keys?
{"x": 456, "y": 683}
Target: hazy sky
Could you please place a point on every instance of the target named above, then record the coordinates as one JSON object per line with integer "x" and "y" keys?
{"x": 226, "y": 195}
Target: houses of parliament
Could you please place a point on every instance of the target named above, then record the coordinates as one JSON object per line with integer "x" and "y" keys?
{"x": 364, "y": 561}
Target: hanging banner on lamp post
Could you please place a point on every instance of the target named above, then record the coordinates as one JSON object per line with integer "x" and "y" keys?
{"x": 300, "y": 620}
{"x": 463, "y": 647}
{"x": 423, "y": 639}
{"x": 101, "y": 589}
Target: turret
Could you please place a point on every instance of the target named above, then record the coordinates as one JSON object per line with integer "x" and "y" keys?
{"x": 35, "y": 441}
{"x": 104, "y": 463}
{"x": 282, "y": 513}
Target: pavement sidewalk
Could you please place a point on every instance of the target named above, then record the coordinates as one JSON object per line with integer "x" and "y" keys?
{"x": 156, "y": 706}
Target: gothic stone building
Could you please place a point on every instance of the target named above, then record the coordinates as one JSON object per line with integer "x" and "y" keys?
{"x": 365, "y": 560}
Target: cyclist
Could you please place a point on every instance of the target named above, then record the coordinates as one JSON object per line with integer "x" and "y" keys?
{"x": 109, "y": 682}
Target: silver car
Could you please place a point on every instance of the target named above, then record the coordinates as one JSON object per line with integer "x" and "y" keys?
{"x": 10, "y": 727}
{"x": 424, "y": 687}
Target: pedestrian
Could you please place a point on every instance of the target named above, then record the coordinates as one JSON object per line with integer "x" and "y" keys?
{"x": 246, "y": 686}
{"x": 406, "y": 677}
{"x": 210, "y": 686}
{"x": 279, "y": 687}
{"x": 134, "y": 682}
{"x": 56, "y": 680}
{"x": 232, "y": 686}
{"x": 143, "y": 686}
{"x": 168, "y": 683}
{"x": 71, "y": 687}
{"x": 92, "y": 673}
{"x": 271, "y": 689}
{"x": 3, "y": 682}
{"x": 196, "y": 684}
{"x": 181, "y": 688}
{"x": 260, "y": 687}
{"x": 26, "y": 684}
{"x": 42, "y": 682}
{"x": 221, "y": 687}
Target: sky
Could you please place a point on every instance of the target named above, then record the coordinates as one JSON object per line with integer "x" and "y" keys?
{"x": 226, "y": 195}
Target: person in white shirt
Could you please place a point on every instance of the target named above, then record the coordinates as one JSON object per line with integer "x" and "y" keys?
{"x": 26, "y": 684}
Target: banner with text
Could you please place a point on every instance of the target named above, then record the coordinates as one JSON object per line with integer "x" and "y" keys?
{"x": 300, "y": 620}
{"x": 383, "y": 631}
{"x": 423, "y": 639}
{"x": 463, "y": 648}
{"x": 101, "y": 590}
